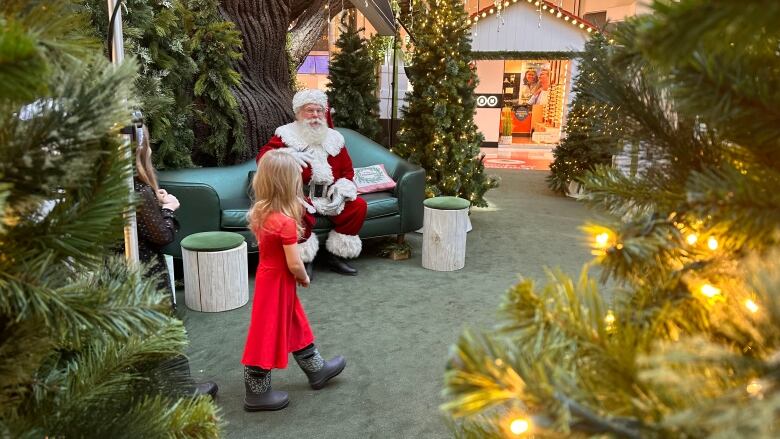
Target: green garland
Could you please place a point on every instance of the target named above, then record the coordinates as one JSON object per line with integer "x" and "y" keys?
{"x": 525, "y": 55}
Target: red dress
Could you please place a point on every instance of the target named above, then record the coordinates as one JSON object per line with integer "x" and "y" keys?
{"x": 279, "y": 324}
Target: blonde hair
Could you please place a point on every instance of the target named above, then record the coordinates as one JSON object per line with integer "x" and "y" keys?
{"x": 277, "y": 187}
{"x": 143, "y": 162}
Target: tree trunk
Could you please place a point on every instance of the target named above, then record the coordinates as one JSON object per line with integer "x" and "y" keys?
{"x": 264, "y": 94}
{"x": 307, "y": 30}
{"x": 311, "y": 21}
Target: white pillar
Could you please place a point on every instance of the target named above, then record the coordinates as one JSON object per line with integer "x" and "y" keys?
{"x": 117, "y": 56}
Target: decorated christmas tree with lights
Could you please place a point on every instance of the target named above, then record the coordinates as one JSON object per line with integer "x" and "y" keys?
{"x": 88, "y": 348}
{"x": 438, "y": 130}
{"x": 592, "y": 127}
{"x": 352, "y": 81}
{"x": 680, "y": 335}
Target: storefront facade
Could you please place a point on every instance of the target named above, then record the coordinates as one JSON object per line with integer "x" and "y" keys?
{"x": 525, "y": 62}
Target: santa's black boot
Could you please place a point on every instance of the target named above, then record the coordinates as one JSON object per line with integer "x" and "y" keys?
{"x": 340, "y": 265}
{"x": 316, "y": 368}
{"x": 259, "y": 394}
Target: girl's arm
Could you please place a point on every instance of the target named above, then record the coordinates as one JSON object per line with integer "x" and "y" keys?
{"x": 156, "y": 225}
{"x": 295, "y": 264}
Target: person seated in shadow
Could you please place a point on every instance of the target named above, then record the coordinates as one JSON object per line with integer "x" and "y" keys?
{"x": 156, "y": 225}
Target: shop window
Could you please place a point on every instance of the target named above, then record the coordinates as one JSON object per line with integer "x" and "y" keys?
{"x": 314, "y": 65}
{"x": 534, "y": 93}
{"x": 597, "y": 18}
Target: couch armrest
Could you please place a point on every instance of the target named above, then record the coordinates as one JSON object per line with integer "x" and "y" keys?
{"x": 410, "y": 191}
{"x": 200, "y": 211}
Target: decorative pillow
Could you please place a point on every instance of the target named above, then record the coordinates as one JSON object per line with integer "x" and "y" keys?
{"x": 373, "y": 179}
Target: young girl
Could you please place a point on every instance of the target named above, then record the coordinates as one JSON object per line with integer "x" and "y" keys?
{"x": 279, "y": 325}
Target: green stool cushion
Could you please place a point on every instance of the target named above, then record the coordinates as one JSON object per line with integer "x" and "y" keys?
{"x": 212, "y": 241}
{"x": 447, "y": 203}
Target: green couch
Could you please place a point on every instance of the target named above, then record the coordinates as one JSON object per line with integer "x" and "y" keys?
{"x": 216, "y": 198}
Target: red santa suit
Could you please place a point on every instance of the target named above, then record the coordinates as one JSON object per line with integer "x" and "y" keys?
{"x": 330, "y": 166}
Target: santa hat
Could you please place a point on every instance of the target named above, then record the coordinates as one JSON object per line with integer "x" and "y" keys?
{"x": 328, "y": 112}
{"x": 309, "y": 96}
{"x": 313, "y": 96}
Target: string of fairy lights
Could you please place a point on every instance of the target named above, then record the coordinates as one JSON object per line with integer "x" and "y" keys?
{"x": 518, "y": 423}
{"x": 542, "y": 6}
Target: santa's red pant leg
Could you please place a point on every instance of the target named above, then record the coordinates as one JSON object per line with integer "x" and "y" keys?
{"x": 343, "y": 240}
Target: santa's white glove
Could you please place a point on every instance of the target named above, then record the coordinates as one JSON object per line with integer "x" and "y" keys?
{"x": 333, "y": 191}
{"x": 303, "y": 158}
{"x": 335, "y": 206}
{"x": 309, "y": 208}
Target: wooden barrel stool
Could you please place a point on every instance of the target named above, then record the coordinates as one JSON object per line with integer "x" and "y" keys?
{"x": 445, "y": 222}
{"x": 215, "y": 271}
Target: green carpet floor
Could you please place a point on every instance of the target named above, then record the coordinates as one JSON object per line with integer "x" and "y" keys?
{"x": 395, "y": 322}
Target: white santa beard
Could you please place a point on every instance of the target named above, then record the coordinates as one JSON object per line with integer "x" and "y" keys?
{"x": 312, "y": 131}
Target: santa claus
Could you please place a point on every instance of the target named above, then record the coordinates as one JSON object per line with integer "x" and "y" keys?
{"x": 327, "y": 175}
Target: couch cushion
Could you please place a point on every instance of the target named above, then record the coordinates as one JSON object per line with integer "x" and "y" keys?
{"x": 380, "y": 204}
{"x": 234, "y": 213}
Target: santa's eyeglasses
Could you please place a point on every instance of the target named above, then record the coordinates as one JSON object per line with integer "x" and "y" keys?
{"x": 313, "y": 111}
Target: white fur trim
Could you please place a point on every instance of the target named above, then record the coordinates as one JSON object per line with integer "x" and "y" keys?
{"x": 333, "y": 143}
{"x": 345, "y": 246}
{"x": 319, "y": 204}
{"x": 321, "y": 172}
{"x": 309, "y": 96}
{"x": 309, "y": 208}
{"x": 309, "y": 248}
{"x": 320, "y": 168}
{"x": 346, "y": 188}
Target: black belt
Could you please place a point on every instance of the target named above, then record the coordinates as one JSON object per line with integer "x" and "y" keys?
{"x": 315, "y": 190}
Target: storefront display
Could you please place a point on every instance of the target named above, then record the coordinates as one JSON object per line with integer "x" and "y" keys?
{"x": 533, "y": 94}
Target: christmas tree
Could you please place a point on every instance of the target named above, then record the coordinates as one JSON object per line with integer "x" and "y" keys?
{"x": 680, "y": 336}
{"x": 86, "y": 344}
{"x": 352, "y": 87}
{"x": 438, "y": 130}
{"x": 185, "y": 50}
{"x": 592, "y": 128}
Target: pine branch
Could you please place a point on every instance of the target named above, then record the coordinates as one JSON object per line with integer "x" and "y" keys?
{"x": 597, "y": 424}
{"x": 690, "y": 345}
{"x": 81, "y": 338}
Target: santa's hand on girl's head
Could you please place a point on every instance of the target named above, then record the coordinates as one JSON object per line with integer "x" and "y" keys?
{"x": 303, "y": 158}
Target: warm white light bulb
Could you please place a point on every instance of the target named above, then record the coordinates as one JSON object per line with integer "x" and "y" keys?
{"x": 709, "y": 291}
{"x": 712, "y": 243}
{"x": 602, "y": 239}
{"x": 754, "y": 387}
{"x": 519, "y": 426}
{"x": 692, "y": 238}
{"x": 609, "y": 320}
{"x": 751, "y": 306}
